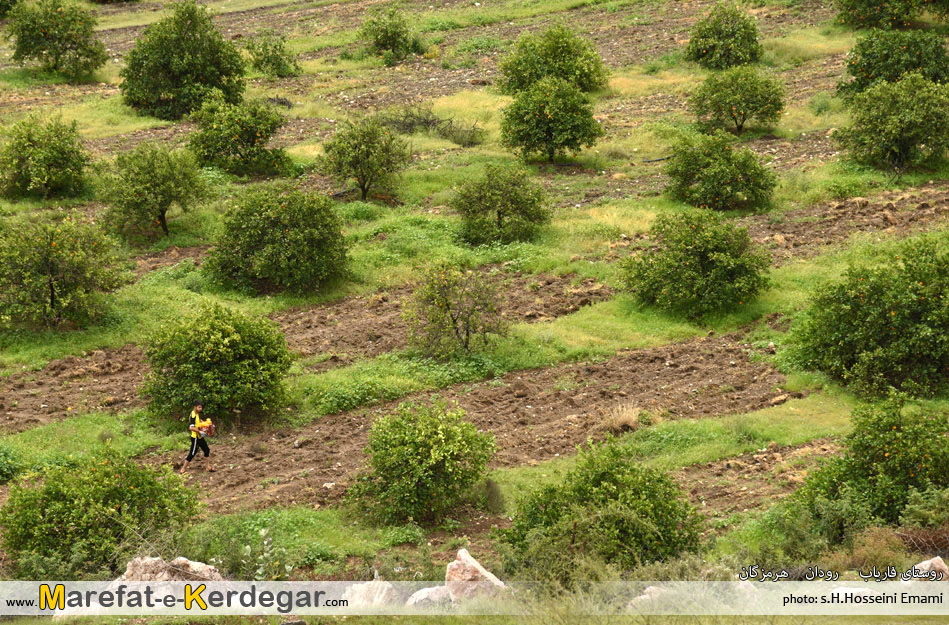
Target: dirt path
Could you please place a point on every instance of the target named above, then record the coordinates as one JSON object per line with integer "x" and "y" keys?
{"x": 535, "y": 415}
{"x": 364, "y": 327}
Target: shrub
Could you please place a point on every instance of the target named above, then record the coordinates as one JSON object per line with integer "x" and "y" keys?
{"x": 898, "y": 125}
{"x": 870, "y": 13}
{"x": 289, "y": 241}
{"x": 708, "y": 173}
{"x": 889, "y": 54}
{"x": 703, "y": 265}
{"x": 737, "y": 96}
{"x": 231, "y": 361}
{"x": 452, "y": 310}
{"x": 43, "y": 158}
{"x": 234, "y": 137}
{"x": 882, "y": 327}
{"x": 10, "y": 464}
{"x": 551, "y": 118}
{"x": 269, "y": 54}
{"x": 147, "y": 182}
{"x": 59, "y": 35}
{"x": 891, "y": 452}
{"x": 367, "y": 152}
{"x": 504, "y": 205}
{"x": 5, "y": 6}
{"x": 726, "y": 37}
{"x": 422, "y": 461}
{"x": 926, "y": 509}
{"x": 52, "y": 273}
{"x": 558, "y": 52}
{"x": 606, "y": 508}
{"x": 389, "y": 35}
{"x": 85, "y": 520}
{"x": 177, "y": 63}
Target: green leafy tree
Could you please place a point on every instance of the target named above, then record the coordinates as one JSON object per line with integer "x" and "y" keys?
{"x": 452, "y": 311}
{"x": 737, "y": 96}
{"x": 557, "y": 52}
{"x": 889, "y": 54}
{"x": 898, "y": 125}
{"x": 882, "y": 327}
{"x": 269, "y": 54}
{"x": 231, "y": 361}
{"x": 234, "y": 137}
{"x": 894, "y": 450}
{"x": 607, "y": 509}
{"x": 550, "y": 118}
{"x": 42, "y": 158}
{"x": 368, "y": 153}
{"x": 423, "y": 459}
{"x": 59, "y": 35}
{"x": 703, "y": 264}
{"x": 388, "y": 33}
{"x": 503, "y": 204}
{"x": 706, "y": 172}
{"x": 86, "y": 520}
{"x": 178, "y": 62}
{"x": 726, "y": 37}
{"x": 147, "y": 182}
{"x": 5, "y": 6}
{"x": 871, "y": 13}
{"x": 290, "y": 241}
{"x": 54, "y": 272}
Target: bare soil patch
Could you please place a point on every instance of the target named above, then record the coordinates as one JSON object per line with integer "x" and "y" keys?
{"x": 535, "y": 415}
{"x": 364, "y": 327}
{"x": 107, "y": 379}
{"x": 807, "y": 232}
{"x": 168, "y": 257}
{"x": 736, "y": 485}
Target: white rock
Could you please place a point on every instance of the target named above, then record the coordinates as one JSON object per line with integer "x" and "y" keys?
{"x": 934, "y": 564}
{"x": 433, "y": 596}
{"x": 178, "y": 570}
{"x": 371, "y": 594}
{"x": 466, "y": 578}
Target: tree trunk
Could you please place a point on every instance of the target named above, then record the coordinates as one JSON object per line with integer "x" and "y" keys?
{"x": 164, "y": 222}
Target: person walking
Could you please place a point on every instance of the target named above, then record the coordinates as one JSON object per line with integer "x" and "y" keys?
{"x": 199, "y": 430}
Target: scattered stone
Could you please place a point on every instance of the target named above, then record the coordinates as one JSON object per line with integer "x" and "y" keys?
{"x": 371, "y": 594}
{"x": 934, "y": 564}
{"x": 430, "y": 597}
{"x": 780, "y": 399}
{"x": 178, "y": 570}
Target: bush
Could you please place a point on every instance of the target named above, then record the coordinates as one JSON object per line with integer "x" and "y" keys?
{"x": 269, "y": 54}
{"x": 870, "y": 13}
{"x": 43, "y": 158}
{"x": 52, "y": 273}
{"x": 606, "y": 508}
{"x": 423, "y": 459}
{"x": 726, "y": 37}
{"x": 288, "y": 241}
{"x": 552, "y": 117}
{"x": 147, "y": 182}
{"x": 898, "y": 125}
{"x": 703, "y": 265}
{"x": 59, "y": 35}
{"x": 708, "y": 173}
{"x": 452, "y": 310}
{"x": 10, "y": 464}
{"x": 891, "y": 452}
{"x": 177, "y": 63}
{"x": 234, "y": 137}
{"x": 368, "y": 152}
{"x": 5, "y": 6}
{"x": 231, "y": 361}
{"x": 503, "y": 205}
{"x": 558, "y": 52}
{"x": 737, "y": 96}
{"x": 882, "y": 327}
{"x": 86, "y": 520}
{"x": 889, "y": 54}
{"x": 389, "y": 35}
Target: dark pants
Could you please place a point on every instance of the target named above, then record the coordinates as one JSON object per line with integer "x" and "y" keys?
{"x": 197, "y": 443}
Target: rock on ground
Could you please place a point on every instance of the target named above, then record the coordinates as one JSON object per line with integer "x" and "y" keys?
{"x": 371, "y": 594}
{"x": 934, "y": 564}
{"x": 466, "y": 578}
{"x": 178, "y": 570}
{"x": 429, "y": 597}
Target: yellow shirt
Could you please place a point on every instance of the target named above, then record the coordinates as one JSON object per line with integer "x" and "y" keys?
{"x": 198, "y": 422}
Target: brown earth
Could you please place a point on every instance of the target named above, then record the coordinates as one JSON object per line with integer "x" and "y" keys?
{"x": 736, "y": 485}
{"x": 107, "y": 379}
{"x": 535, "y": 415}
{"x": 168, "y": 257}
{"x": 807, "y": 232}
{"x": 364, "y": 327}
